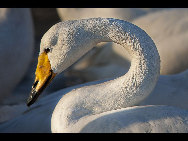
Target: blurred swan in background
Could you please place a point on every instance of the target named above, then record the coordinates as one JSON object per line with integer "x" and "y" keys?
{"x": 169, "y": 30}
{"x": 88, "y": 107}
{"x": 119, "y": 13}
{"x": 16, "y": 51}
{"x": 16, "y": 37}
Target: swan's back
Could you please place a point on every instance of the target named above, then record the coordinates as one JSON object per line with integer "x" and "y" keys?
{"x": 138, "y": 119}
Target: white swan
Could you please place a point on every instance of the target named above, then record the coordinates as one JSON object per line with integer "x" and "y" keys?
{"x": 77, "y": 108}
{"x": 168, "y": 29}
{"x": 87, "y": 107}
{"x": 16, "y": 47}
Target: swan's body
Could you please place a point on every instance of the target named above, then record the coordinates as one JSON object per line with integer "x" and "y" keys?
{"x": 16, "y": 47}
{"x": 168, "y": 29}
{"x": 144, "y": 119}
{"x": 169, "y": 90}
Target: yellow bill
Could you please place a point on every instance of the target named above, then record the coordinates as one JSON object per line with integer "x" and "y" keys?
{"x": 43, "y": 77}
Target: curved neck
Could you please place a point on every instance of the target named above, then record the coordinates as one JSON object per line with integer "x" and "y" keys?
{"x": 123, "y": 91}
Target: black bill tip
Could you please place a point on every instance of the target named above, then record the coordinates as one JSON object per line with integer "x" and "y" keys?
{"x": 32, "y": 98}
{"x": 36, "y": 92}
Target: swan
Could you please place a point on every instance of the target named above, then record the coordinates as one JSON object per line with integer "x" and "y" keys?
{"x": 75, "y": 38}
{"x": 168, "y": 29}
{"x": 16, "y": 48}
{"x": 85, "y": 107}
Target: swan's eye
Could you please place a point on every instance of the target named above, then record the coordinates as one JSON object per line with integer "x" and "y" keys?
{"x": 47, "y": 50}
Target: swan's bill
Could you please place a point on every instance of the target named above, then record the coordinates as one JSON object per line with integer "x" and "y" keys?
{"x": 43, "y": 76}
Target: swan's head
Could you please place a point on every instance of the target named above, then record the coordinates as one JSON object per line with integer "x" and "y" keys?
{"x": 56, "y": 54}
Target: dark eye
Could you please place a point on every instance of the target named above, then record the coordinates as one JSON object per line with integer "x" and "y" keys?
{"x": 47, "y": 50}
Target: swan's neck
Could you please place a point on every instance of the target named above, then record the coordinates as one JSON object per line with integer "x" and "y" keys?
{"x": 123, "y": 91}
